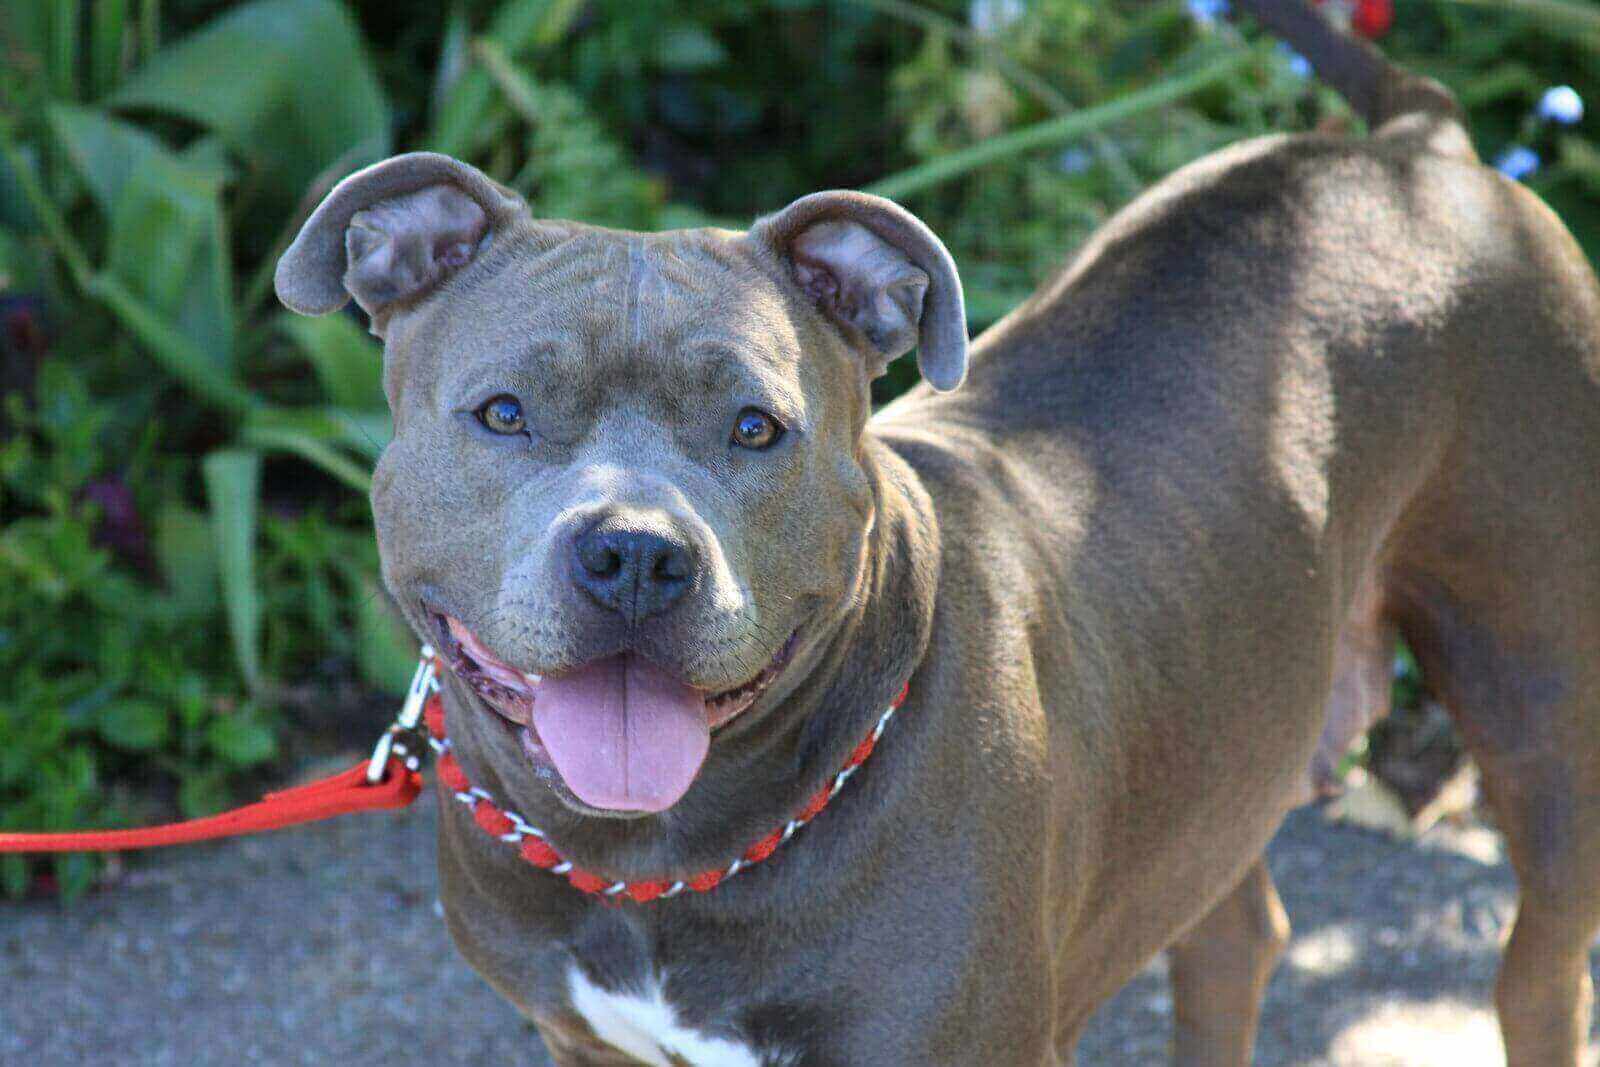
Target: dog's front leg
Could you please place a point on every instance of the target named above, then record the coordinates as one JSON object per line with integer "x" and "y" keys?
{"x": 1220, "y": 970}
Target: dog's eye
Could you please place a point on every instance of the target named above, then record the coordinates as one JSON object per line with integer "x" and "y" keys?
{"x": 502, "y": 414}
{"x": 755, "y": 429}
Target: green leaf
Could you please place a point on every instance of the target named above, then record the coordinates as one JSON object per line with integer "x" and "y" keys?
{"x": 51, "y": 557}
{"x": 75, "y": 873}
{"x": 168, "y": 249}
{"x": 203, "y": 793}
{"x": 241, "y": 739}
{"x": 104, "y": 150}
{"x": 207, "y": 157}
{"x": 169, "y": 246}
{"x": 386, "y": 650}
{"x": 233, "y": 479}
{"x": 349, "y": 363}
{"x": 286, "y": 83}
{"x": 135, "y": 725}
{"x": 186, "y": 553}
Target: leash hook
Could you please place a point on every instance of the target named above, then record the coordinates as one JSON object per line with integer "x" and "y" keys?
{"x": 424, "y": 683}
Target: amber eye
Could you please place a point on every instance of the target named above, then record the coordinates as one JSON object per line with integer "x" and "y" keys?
{"x": 502, "y": 414}
{"x": 755, "y": 429}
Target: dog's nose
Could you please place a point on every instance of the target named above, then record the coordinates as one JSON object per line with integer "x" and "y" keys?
{"x": 633, "y": 571}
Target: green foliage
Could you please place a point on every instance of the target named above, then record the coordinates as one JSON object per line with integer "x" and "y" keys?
{"x": 183, "y": 534}
{"x": 116, "y": 686}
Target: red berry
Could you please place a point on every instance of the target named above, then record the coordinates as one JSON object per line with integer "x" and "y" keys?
{"x": 1372, "y": 18}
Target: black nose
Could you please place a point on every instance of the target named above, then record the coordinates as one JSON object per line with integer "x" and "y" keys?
{"x": 633, "y": 571}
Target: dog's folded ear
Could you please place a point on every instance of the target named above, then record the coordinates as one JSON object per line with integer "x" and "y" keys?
{"x": 390, "y": 234}
{"x": 880, "y": 274}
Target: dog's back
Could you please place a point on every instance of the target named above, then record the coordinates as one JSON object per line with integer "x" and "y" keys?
{"x": 1302, "y": 394}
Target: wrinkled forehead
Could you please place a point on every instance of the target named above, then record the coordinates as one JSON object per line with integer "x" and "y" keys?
{"x": 595, "y": 312}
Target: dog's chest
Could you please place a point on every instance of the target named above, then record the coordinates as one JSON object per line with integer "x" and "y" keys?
{"x": 642, "y": 1022}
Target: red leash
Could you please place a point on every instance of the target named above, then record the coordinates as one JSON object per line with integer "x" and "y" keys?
{"x": 390, "y": 779}
{"x": 338, "y": 794}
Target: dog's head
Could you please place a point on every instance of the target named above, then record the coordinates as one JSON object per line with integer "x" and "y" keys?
{"x": 624, "y": 491}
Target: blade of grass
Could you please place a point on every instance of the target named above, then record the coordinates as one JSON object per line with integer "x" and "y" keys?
{"x": 64, "y": 50}
{"x": 1057, "y": 130}
{"x": 233, "y": 482}
{"x": 149, "y": 28}
{"x": 109, "y": 23}
{"x": 361, "y": 433}
{"x": 512, "y": 83}
{"x": 313, "y": 452}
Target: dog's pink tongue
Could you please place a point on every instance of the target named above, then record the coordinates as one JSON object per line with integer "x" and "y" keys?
{"x": 625, "y": 735}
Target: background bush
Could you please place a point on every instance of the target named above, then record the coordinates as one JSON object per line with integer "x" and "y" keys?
{"x": 187, "y": 577}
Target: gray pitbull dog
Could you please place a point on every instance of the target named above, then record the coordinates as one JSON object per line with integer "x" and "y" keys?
{"x": 1304, "y": 394}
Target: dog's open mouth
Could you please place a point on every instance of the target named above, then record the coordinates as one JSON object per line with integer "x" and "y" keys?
{"x": 622, "y": 733}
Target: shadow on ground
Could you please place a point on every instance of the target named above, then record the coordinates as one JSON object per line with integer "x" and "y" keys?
{"x": 323, "y": 945}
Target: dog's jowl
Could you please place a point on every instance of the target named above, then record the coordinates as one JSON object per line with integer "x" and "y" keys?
{"x": 782, "y": 732}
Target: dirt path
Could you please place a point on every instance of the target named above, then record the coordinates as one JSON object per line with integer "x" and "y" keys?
{"x": 323, "y": 946}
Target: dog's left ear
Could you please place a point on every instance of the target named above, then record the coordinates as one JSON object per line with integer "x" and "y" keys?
{"x": 880, "y": 274}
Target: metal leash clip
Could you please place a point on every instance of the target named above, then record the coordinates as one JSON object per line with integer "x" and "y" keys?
{"x": 424, "y": 683}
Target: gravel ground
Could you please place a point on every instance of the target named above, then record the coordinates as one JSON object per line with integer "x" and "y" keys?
{"x": 322, "y": 945}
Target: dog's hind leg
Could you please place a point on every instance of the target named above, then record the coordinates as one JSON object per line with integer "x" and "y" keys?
{"x": 1525, "y": 692}
{"x": 1544, "y": 994}
{"x": 1532, "y": 720}
{"x": 1220, "y": 969}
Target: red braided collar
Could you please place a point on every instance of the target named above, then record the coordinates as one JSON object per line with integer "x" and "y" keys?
{"x": 535, "y": 847}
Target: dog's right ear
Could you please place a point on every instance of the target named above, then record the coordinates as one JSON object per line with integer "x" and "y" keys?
{"x": 390, "y": 234}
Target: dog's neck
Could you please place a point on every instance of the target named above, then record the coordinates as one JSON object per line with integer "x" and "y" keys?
{"x": 760, "y": 777}
{"x": 881, "y": 639}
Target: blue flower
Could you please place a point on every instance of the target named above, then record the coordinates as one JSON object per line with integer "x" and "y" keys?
{"x": 1561, "y": 103}
{"x": 1299, "y": 64}
{"x": 1208, "y": 12}
{"x": 1075, "y": 160}
{"x": 1518, "y": 161}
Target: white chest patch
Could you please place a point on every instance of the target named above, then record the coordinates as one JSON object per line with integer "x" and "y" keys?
{"x": 642, "y": 1024}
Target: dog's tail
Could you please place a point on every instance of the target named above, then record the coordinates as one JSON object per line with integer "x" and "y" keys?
{"x": 1378, "y": 89}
